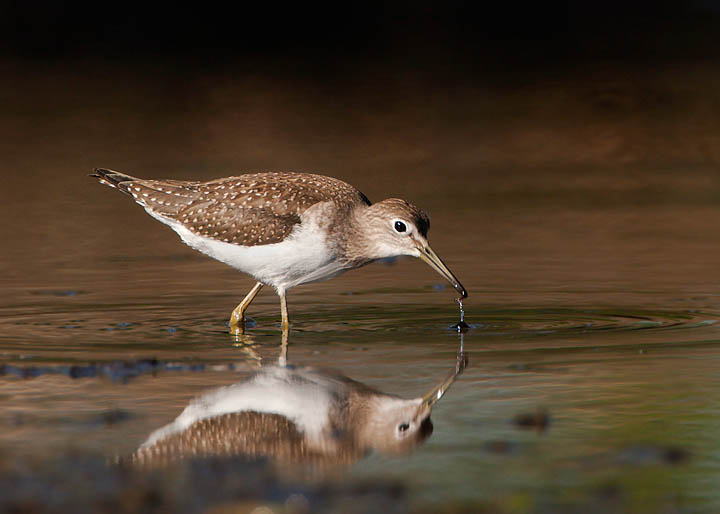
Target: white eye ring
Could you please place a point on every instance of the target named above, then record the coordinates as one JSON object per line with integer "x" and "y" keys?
{"x": 401, "y": 227}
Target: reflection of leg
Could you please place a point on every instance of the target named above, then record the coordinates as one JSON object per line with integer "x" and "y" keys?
{"x": 237, "y": 318}
{"x": 245, "y": 343}
{"x": 282, "y": 360}
{"x": 285, "y": 325}
{"x": 253, "y": 358}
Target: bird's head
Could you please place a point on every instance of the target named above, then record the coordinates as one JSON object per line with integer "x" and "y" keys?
{"x": 394, "y": 227}
{"x": 395, "y": 426}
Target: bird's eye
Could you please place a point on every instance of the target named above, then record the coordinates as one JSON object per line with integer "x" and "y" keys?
{"x": 400, "y": 226}
{"x": 402, "y": 427}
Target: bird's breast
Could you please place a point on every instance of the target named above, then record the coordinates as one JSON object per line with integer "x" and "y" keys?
{"x": 306, "y": 255}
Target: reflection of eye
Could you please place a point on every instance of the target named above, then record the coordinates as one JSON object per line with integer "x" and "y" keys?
{"x": 400, "y": 226}
{"x": 403, "y": 427}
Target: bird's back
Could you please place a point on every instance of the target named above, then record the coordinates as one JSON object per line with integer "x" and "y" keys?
{"x": 249, "y": 210}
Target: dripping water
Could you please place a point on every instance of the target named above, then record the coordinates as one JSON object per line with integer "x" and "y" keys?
{"x": 461, "y": 326}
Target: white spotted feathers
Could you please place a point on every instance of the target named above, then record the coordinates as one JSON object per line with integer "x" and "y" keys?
{"x": 248, "y": 210}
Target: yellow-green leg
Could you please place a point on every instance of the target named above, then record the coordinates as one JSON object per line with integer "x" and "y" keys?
{"x": 237, "y": 318}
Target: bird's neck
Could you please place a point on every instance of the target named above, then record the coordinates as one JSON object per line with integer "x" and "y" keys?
{"x": 361, "y": 241}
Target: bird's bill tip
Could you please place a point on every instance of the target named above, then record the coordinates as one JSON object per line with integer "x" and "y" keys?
{"x": 433, "y": 260}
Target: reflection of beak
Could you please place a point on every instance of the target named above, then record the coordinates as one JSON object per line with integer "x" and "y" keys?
{"x": 437, "y": 392}
{"x": 428, "y": 255}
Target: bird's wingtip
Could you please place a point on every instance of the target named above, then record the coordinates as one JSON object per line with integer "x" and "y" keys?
{"x": 111, "y": 178}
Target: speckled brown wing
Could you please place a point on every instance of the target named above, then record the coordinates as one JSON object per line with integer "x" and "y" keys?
{"x": 246, "y": 433}
{"x": 249, "y": 210}
{"x": 249, "y": 434}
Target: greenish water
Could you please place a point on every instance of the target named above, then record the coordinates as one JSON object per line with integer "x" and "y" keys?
{"x": 594, "y": 305}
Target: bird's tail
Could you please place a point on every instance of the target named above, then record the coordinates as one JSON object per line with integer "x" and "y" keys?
{"x": 113, "y": 178}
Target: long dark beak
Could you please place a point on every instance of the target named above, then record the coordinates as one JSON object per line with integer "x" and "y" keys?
{"x": 428, "y": 255}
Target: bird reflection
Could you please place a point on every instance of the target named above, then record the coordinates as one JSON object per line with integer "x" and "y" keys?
{"x": 293, "y": 414}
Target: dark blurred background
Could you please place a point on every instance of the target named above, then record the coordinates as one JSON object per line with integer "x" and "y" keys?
{"x": 555, "y": 83}
{"x": 504, "y": 84}
{"x": 467, "y": 38}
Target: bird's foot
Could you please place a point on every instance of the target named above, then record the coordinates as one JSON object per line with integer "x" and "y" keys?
{"x": 238, "y": 327}
{"x": 238, "y": 322}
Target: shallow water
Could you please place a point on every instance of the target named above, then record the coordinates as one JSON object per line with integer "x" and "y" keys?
{"x": 594, "y": 299}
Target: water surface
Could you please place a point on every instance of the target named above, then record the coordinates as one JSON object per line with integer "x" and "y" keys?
{"x": 594, "y": 296}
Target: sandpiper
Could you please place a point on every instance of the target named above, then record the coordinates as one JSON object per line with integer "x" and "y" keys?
{"x": 284, "y": 229}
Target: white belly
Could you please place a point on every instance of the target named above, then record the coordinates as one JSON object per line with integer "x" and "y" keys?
{"x": 302, "y": 257}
